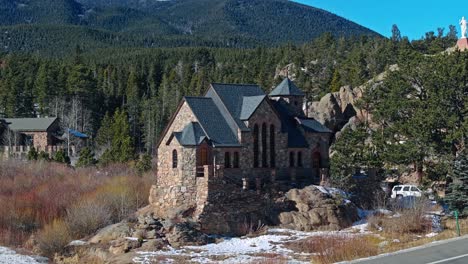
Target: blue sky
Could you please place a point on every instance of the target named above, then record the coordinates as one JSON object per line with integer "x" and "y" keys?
{"x": 413, "y": 17}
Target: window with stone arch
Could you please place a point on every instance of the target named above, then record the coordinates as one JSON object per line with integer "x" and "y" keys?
{"x": 264, "y": 146}
{"x": 272, "y": 146}
{"x": 255, "y": 145}
{"x": 174, "y": 159}
{"x": 291, "y": 159}
{"x": 227, "y": 159}
{"x": 299, "y": 159}
{"x": 236, "y": 160}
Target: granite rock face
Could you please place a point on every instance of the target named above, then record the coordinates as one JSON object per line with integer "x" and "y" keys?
{"x": 317, "y": 209}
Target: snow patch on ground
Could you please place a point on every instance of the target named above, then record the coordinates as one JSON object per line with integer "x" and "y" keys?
{"x": 239, "y": 249}
{"x": 8, "y": 256}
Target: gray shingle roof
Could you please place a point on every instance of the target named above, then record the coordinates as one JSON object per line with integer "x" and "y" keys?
{"x": 212, "y": 122}
{"x": 249, "y": 105}
{"x": 289, "y": 125}
{"x": 30, "y": 124}
{"x": 232, "y": 97}
{"x": 287, "y": 88}
{"x": 192, "y": 135}
{"x": 313, "y": 125}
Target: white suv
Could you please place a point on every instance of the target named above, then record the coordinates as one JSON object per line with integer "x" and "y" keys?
{"x": 405, "y": 190}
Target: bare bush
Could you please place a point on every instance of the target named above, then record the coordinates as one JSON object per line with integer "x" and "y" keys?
{"x": 336, "y": 248}
{"x": 87, "y": 217}
{"x": 53, "y": 238}
{"x": 410, "y": 220}
{"x": 250, "y": 228}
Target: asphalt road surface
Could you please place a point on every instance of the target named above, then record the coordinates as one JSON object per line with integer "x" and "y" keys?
{"x": 453, "y": 251}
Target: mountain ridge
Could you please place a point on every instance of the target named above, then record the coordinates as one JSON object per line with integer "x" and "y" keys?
{"x": 249, "y": 22}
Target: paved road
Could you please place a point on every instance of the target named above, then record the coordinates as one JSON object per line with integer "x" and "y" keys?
{"x": 453, "y": 251}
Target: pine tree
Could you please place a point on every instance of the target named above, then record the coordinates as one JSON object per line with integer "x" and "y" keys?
{"x": 457, "y": 197}
{"x": 335, "y": 82}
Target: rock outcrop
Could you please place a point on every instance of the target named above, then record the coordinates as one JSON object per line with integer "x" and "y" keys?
{"x": 336, "y": 110}
{"x": 318, "y": 209}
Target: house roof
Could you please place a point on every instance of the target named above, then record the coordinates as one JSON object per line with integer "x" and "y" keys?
{"x": 312, "y": 125}
{"x": 30, "y": 124}
{"x": 232, "y": 98}
{"x": 289, "y": 125}
{"x": 212, "y": 122}
{"x": 287, "y": 88}
{"x": 191, "y": 135}
{"x": 249, "y": 105}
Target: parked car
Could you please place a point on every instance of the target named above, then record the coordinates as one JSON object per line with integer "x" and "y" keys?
{"x": 400, "y": 191}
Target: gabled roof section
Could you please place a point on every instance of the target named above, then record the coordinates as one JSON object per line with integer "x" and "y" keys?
{"x": 192, "y": 135}
{"x": 232, "y": 97}
{"x": 312, "y": 125}
{"x": 289, "y": 125}
{"x": 30, "y": 124}
{"x": 249, "y": 105}
{"x": 287, "y": 88}
{"x": 212, "y": 122}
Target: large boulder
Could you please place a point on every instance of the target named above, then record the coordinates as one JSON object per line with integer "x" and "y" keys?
{"x": 112, "y": 232}
{"x": 318, "y": 209}
{"x": 184, "y": 234}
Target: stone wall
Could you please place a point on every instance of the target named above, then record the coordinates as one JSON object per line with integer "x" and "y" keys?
{"x": 176, "y": 187}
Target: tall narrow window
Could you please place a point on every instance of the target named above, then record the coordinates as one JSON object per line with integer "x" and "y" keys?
{"x": 236, "y": 160}
{"x": 227, "y": 160}
{"x": 291, "y": 159}
{"x": 272, "y": 146}
{"x": 174, "y": 159}
{"x": 203, "y": 156}
{"x": 255, "y": 145}
{"x": 299, "y": 159}
{"x": 264, "y": 146}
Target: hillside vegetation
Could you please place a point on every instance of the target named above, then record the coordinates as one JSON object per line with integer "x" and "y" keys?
{"x": 221, "y": 23}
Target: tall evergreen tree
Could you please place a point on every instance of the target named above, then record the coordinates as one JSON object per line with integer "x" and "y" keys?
{"x": 457, "y": 197}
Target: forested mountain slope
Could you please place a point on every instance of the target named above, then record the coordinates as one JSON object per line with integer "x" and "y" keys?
{"x": 220, "y": 23}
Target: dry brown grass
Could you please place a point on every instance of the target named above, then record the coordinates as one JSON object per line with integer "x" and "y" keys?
{"x": 34, "y": 194}
{"x": 335, "y": 248}
{"x": 270, "y": 258}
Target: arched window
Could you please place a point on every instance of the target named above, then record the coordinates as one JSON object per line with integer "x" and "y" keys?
{"x": 299, "y": 159}
{"x": 264, "y": 146}
{"x": 236, "y": 160}
{"x": 174, "y": 159}
{"x": 227, "y": 160}
{"x": 291, "y": 159}
{"x": 255, "y": 145}
{"x": 272, "y": 146}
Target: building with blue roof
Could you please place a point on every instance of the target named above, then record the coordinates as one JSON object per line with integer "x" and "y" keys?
{"x": 240, "y": 135}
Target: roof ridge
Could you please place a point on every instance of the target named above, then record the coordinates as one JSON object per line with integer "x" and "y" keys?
{"x": 237, "y": 84}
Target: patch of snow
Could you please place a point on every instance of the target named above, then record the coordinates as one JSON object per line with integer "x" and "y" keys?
{"x": 78, "y": 243}
{"x": 363, "y": 228}
{"x": 322, "y": 189}
{"x": 433, "y": 234}
{"x": 8, "y": 256}
{"x": 240, "y": 250}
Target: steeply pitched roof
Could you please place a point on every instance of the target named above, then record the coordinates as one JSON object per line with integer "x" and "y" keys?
{"x": 30, "y": 124}
{"x": 232, "y": 97}
{"x": 212, "y": 122}
{"x": 192, "y": 135}
{"x": 249, "y": 105}
{"x": 312, "y": 125}
{"x": 287, "y": 88}
{"x": 289, "y": 125}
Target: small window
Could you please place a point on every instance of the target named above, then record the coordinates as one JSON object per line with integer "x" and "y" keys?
{"x": 174, "y": 159}
{"x": 236, "y": 159}
{"x": 299, "y": 159}
{"x": 227, "y": 160}
{"x": 414, "y": 189}
{"x": 397, "y": 189}
{"x": 291, "y": 159}
{"x": 406, "y": 188}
